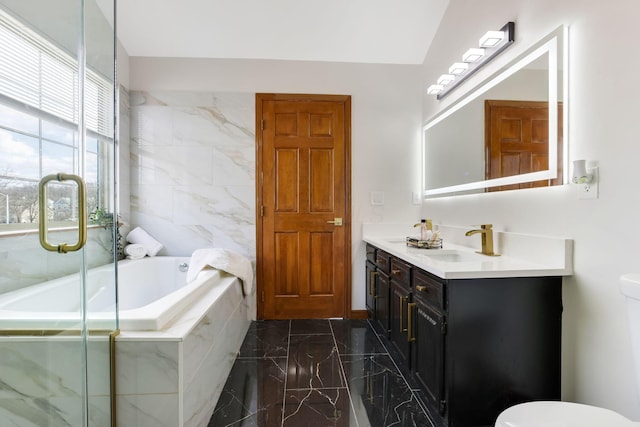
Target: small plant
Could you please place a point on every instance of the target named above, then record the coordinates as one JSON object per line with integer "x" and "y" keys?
{"x": 103, "y": 218}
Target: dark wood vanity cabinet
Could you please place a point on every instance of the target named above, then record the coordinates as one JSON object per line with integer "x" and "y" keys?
{"x": 474, "y": 346}
{"x": 428, "y": 329}
{"x": 400, "y": 297}
{"x": 502, "y": 346}
{"x": 383, "y": 264}
{"x": 370, "y": 299}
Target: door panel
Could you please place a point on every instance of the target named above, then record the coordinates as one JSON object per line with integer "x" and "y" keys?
{"x": 303, "y": 152}
{"x": 517, "y": 141}
{"x": 428, "y": 364}
{"x": 287, "y": 165}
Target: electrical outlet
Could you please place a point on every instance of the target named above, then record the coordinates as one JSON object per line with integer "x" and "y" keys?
{"x": 590, "y": 190}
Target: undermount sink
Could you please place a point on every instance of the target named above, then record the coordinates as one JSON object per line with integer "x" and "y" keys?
{"x": 456, "y": 256}
{"x": 396, "y": 240}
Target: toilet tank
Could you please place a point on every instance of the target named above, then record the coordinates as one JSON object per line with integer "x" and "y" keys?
{"x": 630, "y": 288}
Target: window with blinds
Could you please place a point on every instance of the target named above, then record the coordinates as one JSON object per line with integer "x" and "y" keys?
{"x": 37, "y": 73}
{"x": 39, "y": 118}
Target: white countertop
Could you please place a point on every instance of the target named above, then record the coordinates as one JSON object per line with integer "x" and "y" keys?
{"x": 474, "y": 265}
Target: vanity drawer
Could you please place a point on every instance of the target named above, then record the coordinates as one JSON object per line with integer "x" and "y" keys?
{"x": 428, "y": 289}
{"x": 383, "y": 261}
{"x": 400, "y": 272}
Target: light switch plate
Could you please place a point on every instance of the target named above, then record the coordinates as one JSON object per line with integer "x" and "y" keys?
{"x": 377, "y": 198}
{"x": 417, "y": 199}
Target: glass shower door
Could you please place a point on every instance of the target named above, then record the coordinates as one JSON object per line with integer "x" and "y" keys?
{"x": 58, "y": 222}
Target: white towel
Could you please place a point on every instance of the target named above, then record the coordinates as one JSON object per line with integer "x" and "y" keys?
{"x": 138, "y": 235}
{"x": 135, "y": 251}
{"x": 225, "y": 260}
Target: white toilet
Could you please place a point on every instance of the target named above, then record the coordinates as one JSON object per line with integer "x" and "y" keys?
{"x": 566, "y": 414}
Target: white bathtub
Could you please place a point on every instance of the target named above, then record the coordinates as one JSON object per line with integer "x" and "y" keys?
{"x": 151, "y": 293}
{"x": 176, "y": 348}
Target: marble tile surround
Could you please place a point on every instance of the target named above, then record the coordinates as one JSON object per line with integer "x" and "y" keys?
{"x": 23, "y": 262}
{"x": 192, "y": 169}
{"x": 41, "y": 381}
{"x": 169, "y": 378}
{"x": 173, "y": 378}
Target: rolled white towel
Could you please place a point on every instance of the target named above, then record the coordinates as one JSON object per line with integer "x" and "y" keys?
{"x": 138, "y": 235}
{"x": 135, "y": 251}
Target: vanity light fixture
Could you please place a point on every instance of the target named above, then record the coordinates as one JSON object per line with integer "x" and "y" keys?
{"x": 445, "y": 79}
{"x": 472, "y": 55}
{"x": 491, "y": 38}
{"x": 491, "y": 44}
{"x": 458, "y": 68}
{"x": 434, "y": 89}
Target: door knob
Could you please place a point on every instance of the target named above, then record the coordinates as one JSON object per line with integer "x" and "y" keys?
{"x": 336, "y": 222}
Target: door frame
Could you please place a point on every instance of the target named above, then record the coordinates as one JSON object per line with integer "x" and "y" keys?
{"x": 346, "y": 100}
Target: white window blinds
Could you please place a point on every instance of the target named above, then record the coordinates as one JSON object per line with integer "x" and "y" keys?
{"x": 35, "y": 72}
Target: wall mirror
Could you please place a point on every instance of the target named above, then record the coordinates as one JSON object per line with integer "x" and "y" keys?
{"x": 503, "y": 135}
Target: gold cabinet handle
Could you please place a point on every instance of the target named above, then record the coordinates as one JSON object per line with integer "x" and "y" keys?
{"x": 402, "y": 299}
{"x": 336, "y": 221}
{"x": 372, "y": 285}
{"x": 410, "y": 336}
{"x": 421, "y": 288}
{"x": 396, "y": 272}
{"x": 62, "y": 248}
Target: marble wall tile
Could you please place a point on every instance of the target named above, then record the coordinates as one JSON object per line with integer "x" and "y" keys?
{"x": 151, "y": 125}
{"x": 147, "y": 367}
{"x": 201, "y": 394}
{"x": 23, "y": 262}
{"x": 148, "y": 410}
{"x": 215, "y": 205}
{"x": 124, "y": 148}
{"x": 42, "y": 383}
{"x": 155, "y": 201}
{"x": 207, "y": 333}
{"x": 193, "y": 169}
{"x": 172, "y": 165}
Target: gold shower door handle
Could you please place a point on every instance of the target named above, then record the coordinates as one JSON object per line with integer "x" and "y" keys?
{"x": 62, "y": 248}
{"x": 336, "y": 221}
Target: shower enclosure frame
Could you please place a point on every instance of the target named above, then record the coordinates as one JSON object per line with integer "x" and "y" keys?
{"x": 53, "y": 375}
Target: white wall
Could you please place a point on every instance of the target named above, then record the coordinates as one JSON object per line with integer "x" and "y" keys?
{"x": 603, "y": 127}
{"x": 385, "y": 122}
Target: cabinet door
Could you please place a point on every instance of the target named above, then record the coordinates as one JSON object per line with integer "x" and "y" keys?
{"x": 371, "y": 289}
{"x": 398, "y": 310}
{"x": 382, "y": 301}
{"x": 428, "y": 361}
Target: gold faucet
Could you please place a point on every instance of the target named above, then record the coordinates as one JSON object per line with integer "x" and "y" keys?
{"x": 429, "y": 224}
{"x": 487, "y": 239}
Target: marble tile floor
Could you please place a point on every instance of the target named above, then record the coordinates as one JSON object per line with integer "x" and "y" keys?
{"x": 316, "y": 373}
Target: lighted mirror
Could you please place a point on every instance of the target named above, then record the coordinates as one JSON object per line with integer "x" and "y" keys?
{"x": 504, "y": 135}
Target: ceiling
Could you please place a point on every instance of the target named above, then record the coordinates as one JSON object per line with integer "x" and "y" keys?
{"x": 363, "y": 31}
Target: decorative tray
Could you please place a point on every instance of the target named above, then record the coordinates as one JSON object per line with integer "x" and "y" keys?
{"x": 424, "y": 244}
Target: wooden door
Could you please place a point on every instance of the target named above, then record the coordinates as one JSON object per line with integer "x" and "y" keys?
{"x": 303, "y": 224}
{"x": 517, "y": 141}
